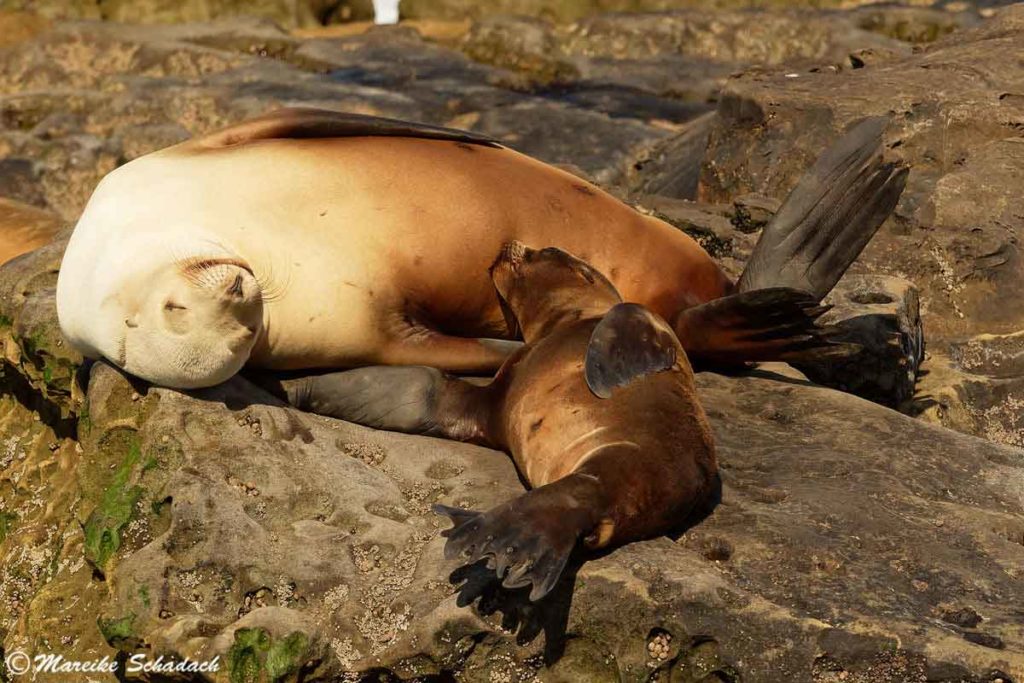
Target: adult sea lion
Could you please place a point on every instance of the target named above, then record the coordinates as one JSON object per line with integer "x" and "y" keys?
{"x": 598, "y": 409}
{"x": 313, "y": 239}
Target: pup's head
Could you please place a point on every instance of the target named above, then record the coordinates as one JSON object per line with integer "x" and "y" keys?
{"x": 540, "y": 289}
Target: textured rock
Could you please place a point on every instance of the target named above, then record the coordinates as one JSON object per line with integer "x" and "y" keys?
{"x": 82, "y": 98}
{"x": 285, "y": 12}
{"x": 685, "y": 54}
{"x": 852, "y": 543}
{"x": 956, "y": 121}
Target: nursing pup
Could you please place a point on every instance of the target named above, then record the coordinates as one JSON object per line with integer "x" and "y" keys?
{"x": 598, "y": 410}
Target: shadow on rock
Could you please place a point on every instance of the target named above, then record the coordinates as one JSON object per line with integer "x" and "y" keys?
{"x": 527, "y": 619}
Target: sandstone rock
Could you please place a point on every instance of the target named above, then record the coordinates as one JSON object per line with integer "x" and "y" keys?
{"x": 955, "y": 117}
{"x": 285, "y": 12}
{"x": 685, "y": 54}
{"x": 82, "y": 98}
{"x": 975, "y": 385}
{"x": 520, "y": 43}
{"x": 576, "y": 9}
{"x": 221, "y": 522}
{"x": 672, "y": 167}
{"x": 770, "y": 126}
{"x": 16, "y": 27}
{"x": 914, "y": 24}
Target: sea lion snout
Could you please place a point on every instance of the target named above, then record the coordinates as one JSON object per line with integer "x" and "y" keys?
{"x": 537, "y": 288}
{"x": 195, "y": 322}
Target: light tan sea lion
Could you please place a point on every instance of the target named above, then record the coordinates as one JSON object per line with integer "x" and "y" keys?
{"x": 598, "y": 410}
{"x": 312, "y": 239}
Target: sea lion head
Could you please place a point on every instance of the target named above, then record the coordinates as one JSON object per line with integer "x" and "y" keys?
{"x": 191, "y": 323}
{"x": 540, "y": 288}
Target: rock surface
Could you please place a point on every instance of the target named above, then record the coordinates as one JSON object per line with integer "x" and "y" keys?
{"x": 852, "y": 543}
{"x": 291, "y": 13}
{"x": 956, "y": 122}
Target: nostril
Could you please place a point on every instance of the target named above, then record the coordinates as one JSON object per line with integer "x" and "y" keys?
{"x": 236, "y": 287}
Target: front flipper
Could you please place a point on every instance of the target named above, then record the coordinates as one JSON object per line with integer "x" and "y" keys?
{"x": 409, "y": 399}
{"x": 629, "y": 342}
{"x": 528, "y": 540}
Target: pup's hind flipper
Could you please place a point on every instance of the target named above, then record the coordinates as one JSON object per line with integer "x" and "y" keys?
{"x": 829, "y": 217}
{"x": 527, "y": 540}
{"x": 766, "y": 324}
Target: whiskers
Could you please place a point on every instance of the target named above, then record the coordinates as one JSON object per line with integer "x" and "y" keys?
{"x": 271, "y": 288}
{"x": 210, "y": 272}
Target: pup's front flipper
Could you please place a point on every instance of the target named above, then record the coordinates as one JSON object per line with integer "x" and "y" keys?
{"x": 527, "y": 540}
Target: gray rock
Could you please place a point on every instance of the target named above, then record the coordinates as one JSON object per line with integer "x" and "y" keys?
{"x": 83, "y": 98}
{"x": 672, "y": 167}
{"x": 954, "y": 112}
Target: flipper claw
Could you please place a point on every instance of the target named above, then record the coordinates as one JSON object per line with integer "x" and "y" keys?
{"x": 525, "y": 541}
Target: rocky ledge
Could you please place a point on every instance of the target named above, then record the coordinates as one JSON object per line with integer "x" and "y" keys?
{"x": 853, "y": 543}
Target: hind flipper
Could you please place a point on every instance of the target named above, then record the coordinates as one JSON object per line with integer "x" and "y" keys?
{"x": 829, "y": 217}
{"x": 629, "y": 342}
{"x": 527, "y": 540}
{"x": 409, "y": 399}
{"x": 766, "y": 324}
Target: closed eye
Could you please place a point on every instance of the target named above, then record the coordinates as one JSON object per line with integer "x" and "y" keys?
{"x": 171, "y": 306}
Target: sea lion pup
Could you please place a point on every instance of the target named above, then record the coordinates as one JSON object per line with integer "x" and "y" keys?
{"x": 312, "y": 239}
{"x": 598, "y": 410}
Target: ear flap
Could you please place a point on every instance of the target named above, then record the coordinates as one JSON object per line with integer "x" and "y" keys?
{"x": 630, "y": 342}
{"x": 307, "y": 122}
{"x": 511, "y": 321}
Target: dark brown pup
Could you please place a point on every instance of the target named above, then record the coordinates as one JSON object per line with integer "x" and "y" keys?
{"x": 598, "y": 410}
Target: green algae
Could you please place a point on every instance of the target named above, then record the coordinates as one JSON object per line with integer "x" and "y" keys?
{"x": 286, "y": 655}
{"x": 116, "y": 631}
{"x": 7, "y": 520}
{"x": 255, "y": 656}
{"x": 245, "y": 655}
{"x": 104, "y": 526}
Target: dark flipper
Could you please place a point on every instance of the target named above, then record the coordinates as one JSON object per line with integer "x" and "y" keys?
{"x": 629, "y": 342}
{"x": 767, "y": 324}
{"x": 529, "y": 539}
{"x": 410, "y": 399}
{"x": 829, "y": 216}
{"x": 307, "y": 122}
